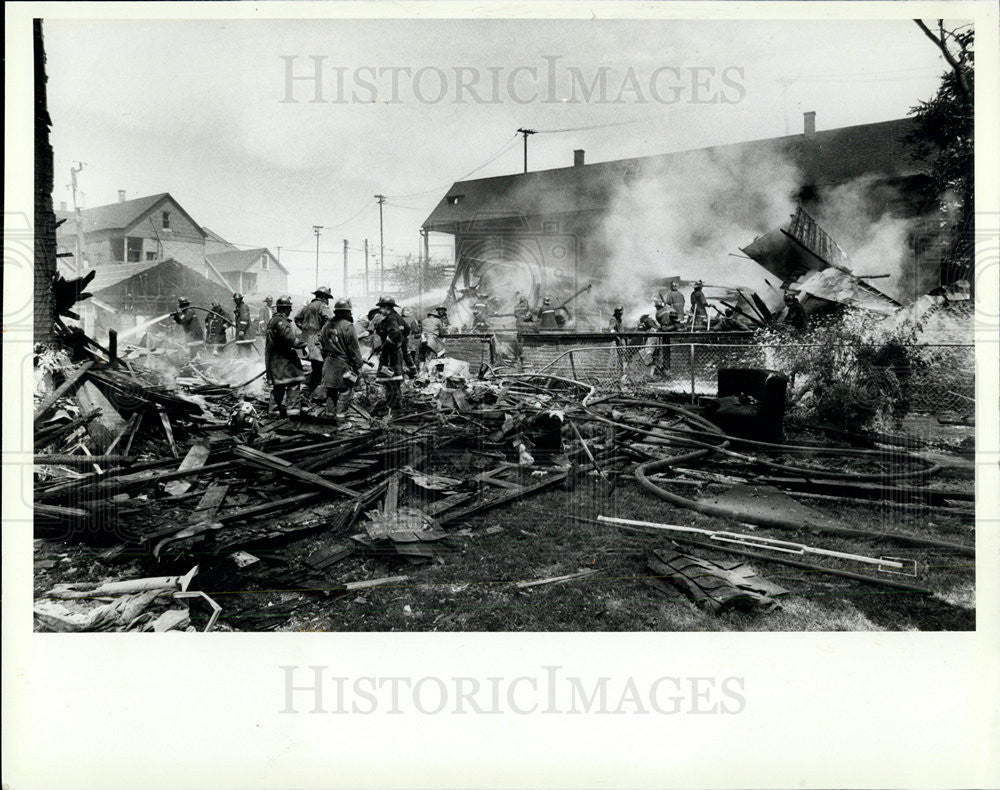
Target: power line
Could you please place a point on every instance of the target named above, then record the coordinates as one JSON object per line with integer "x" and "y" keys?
{"x": 499, "y": 152}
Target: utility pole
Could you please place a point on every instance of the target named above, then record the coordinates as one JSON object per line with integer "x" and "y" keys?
{"x": 785, "y": 82}
{"x": 381, "y": 244}
{"x": 366, "y": 271}
{"x": 423, "y": 269}
{"x": 79, "y": 220}
{"x": 427, "y": 249}
{"x": 524, "y": 133}
{"x": 316, "y": 230}
{"x": 345, "y": 268}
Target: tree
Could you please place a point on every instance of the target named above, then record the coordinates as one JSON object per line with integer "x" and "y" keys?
{"x": 414, "y": 275}
{"x": 944, "y": 137}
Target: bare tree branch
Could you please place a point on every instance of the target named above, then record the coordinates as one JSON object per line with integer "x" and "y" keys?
{"x": 963, "y": 84}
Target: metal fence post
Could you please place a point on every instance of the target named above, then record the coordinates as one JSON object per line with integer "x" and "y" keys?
{"x": 691, "y": 358}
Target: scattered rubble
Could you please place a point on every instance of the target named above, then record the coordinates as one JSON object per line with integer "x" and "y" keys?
{"x": 155, "y": 464}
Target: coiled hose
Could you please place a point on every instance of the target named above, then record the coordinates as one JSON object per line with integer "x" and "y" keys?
{"x": 643, "y": 471}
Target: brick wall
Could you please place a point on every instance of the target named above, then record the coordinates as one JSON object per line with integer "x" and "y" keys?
{"x": 45, "y": 218}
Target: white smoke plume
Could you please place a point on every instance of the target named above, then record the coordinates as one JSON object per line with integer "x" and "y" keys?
{"x": 688, "y": 216}
{"x": 858, "y": 215}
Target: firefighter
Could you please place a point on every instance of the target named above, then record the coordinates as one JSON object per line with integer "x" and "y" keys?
{"x": 244, "y": 328}
{"x": 310, "y": 320}
{"x": 615, "y": 326}
{"x": 412, "y": 336}
{"x": 671, "y": 323}
{"x": 730, "y": 322}
{"x": 662, "y": 318}
{"x": 675, "y": 299}
{"x": 215, "y": 327}
{"x": 264, "y": 316}
{"x": 342, "y": 360}
{"x": 547, "y": 316}
{"x": 795, "y": 314}
{"x": 391, "y": 362}
{"x": 524, "y": 318}
{"x": 480, "y": 318}
{"x": 699, "y": 306}
{"x": 281, "y": 361}
{"x": 647, "y": 324}
{"x": 194, "y": 336}
{"x": 442, "y": 314}
{"x": 431, "y": 345}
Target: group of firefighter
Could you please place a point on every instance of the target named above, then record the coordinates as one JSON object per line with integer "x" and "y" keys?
{"x": 669, "y": 316}
{"x": 215, "y": 335}
{"x": 324, "y": 338}
{"x": 329, "y": 341}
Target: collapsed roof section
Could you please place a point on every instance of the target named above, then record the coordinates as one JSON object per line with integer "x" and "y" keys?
{"x": 802, "y": 254}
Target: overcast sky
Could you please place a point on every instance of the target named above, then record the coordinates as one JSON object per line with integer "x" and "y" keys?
{"x": 202, "y": 110}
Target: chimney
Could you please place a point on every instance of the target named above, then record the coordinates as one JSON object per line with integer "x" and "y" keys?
{"x": 809, "y": 119}
{"x": 121, "y": 193}
{"x": 578, "y": 157}
{"x": 62, "y": 205}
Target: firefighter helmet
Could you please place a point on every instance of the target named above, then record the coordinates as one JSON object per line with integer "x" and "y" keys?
{"x": 342, "y": 304}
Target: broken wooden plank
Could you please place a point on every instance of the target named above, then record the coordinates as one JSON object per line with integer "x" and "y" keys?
{"x": 168, "y": 430}
{"x": 194, "y": 460}
{"x": 82, "y": 460}
{"x": 272, "y": 463}
{"x": 71, "y": 380}
{"x": 365, "y": 585}
{"x": 513, "y": 496}
{"x": 392, "y": 494}
{"x": 323, "y": 558}
{"x": 488, "y": 477}
{"x": 557, "y": 579}
{"x": 128, "y": 430}
{"x": 108, "y": 423}
{"x": 276, "y": 505}
{"x": 435, "y": 508}
{"x": 60, "y": 513}
{"x": 212, "y": 499}
{"x": 133, "y": 430}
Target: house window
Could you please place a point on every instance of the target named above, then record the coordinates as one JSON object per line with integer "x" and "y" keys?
{"x": 150, "y": 256}
{"x": 454, "y": 200}
{"x": 549, "y": 227}
{"x": 166, "y": 220}
{"x": 118, "y": 249}
{"x": 249, "y": 283}
{"x": 133, "y": 249}
{"x": 265, "y": 262}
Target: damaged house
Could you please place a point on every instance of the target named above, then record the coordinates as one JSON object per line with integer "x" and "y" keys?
{"x": 543, "y": 232}
{"x": 147, "y": 252}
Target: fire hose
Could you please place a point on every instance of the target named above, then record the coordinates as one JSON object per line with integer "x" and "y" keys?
{"x": 704, "y": 449}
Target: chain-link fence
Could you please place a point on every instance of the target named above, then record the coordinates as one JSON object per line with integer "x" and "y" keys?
{"x": 929, "y": 379}
{"x": 935, "y": 379}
